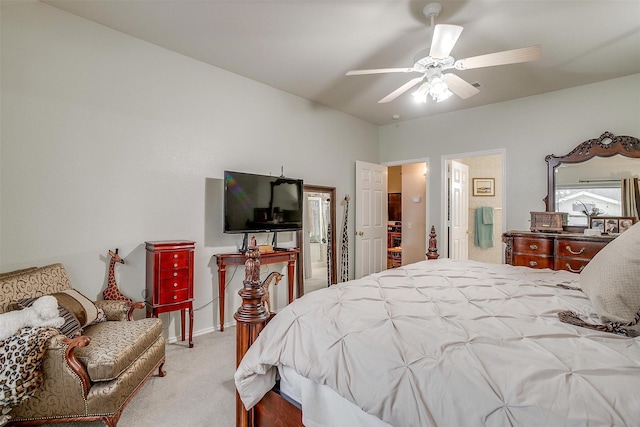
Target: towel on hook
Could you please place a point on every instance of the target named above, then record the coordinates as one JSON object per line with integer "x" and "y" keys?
{"x": 484, "y": 227}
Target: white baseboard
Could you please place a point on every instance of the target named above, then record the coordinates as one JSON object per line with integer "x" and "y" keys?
{"x": 172, "y": 340}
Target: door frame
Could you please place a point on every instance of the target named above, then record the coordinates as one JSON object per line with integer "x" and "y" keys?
{"x": 332, "y": 240}
{"x": 444, "y": 162}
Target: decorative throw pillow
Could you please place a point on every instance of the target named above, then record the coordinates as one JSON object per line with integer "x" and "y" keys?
{"x": 77, "y": 310}
{"x": 22, "y": 356}
{"x": 611, "y": 280}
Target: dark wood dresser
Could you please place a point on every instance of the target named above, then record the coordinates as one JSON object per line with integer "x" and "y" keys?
{"x": 558, "y": 251}
{"x": 170, "y": 280}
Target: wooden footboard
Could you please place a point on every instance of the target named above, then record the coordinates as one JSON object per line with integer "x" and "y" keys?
{"x": 275, "y": 409}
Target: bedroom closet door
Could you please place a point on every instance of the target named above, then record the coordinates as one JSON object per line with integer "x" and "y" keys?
{"x": 371, "y": 219}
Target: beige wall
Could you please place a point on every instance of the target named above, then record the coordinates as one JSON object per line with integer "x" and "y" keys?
{"x": 413, "y": 213}
{"x": 394, "y": 179}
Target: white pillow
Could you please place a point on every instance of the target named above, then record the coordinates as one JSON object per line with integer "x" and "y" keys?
{"x": 611, "y": 280}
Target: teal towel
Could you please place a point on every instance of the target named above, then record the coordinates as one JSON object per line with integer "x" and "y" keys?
{"x": 484, "y": 227}
{"x": 487, "y": 215}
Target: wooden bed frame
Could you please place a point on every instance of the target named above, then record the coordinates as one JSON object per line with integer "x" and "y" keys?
{"x": 275, "y": 409}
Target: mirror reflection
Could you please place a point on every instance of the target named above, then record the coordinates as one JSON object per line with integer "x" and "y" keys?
{"x": 593, "y": 187}
{"x": 319, "y": 244}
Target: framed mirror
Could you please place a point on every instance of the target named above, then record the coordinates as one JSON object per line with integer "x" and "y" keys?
{"x": 589, "y": 180}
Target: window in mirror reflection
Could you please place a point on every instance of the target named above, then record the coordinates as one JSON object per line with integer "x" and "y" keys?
{"x": 589, "y": 200}
{"x": 319, "y": 212}
{"x": 593, "y": 187}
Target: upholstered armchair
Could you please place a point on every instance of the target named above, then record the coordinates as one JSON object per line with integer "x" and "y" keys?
{"x": 93, "y": 375}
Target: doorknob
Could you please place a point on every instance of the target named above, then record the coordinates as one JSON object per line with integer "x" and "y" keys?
{"x": 360, "y": 233}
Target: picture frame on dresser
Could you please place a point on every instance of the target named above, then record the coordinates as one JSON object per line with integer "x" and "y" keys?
{"x": 626, "y": 223}
{"x": 611, "y": 224}
{"x": 596, "y": 223}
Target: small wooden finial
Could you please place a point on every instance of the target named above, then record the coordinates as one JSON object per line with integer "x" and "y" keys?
{"x": 251, "y": 311}
{"x": 432, "y": 252}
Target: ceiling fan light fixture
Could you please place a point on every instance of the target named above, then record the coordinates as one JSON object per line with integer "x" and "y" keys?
{"x": 436, "y": 88}
{"x": 432, "y": 63}
{"x": 422, "y": 93}
{"x": 439, "y": 90}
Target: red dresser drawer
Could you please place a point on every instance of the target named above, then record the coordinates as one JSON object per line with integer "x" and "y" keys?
{"x": 173, "y": 273}
{"x": 573, "y": 265}
{"x": 533, "y": 261}
{"x": 578, "y": 249}
{"x": 170, "y": 260}
{"x": 533, "y": 246}
{"x": 173, "y": 297}
{"x": 174, "y": 284}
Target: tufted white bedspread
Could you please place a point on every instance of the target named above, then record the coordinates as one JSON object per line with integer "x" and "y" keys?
{"x": 446, "y": 343}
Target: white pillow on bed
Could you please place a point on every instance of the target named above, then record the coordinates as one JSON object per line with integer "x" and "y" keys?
{"x": 611, "y": 280}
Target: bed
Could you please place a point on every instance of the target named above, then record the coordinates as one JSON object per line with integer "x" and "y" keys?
{"x": 448, "y": 343}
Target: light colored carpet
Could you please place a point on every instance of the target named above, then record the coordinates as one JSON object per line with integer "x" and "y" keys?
{"x": 198, "y": 389}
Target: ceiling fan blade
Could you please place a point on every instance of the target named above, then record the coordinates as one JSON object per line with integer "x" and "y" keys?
{"x": 444, "y": 38}
{"x": 525, "y": 54}
{"x": 379, "y": 71}
{"x": 459, "y": 86}
{"x": 402, "y": 89}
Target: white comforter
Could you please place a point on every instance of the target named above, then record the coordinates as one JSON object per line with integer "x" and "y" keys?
{"x": 446, "y": 343}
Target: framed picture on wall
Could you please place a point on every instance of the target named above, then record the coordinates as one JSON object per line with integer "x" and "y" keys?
{"x": 484, "y": 187}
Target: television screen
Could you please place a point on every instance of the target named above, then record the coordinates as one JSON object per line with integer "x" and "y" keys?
{"x": 261, "y": 203}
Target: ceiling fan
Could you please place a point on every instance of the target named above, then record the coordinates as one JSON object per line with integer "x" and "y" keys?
{"x": 437, "y": 83}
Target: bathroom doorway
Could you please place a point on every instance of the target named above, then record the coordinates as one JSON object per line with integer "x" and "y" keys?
{"x": 407, "y": 213}
{"x": 473, "y": 211}
{"x": 319, "y": 238}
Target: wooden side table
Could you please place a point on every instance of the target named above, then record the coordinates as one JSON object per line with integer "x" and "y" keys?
{"x": 223, "y": 260}
{"x": 170, "y": 280}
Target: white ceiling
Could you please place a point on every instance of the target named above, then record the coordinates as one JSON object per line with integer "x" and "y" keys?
{"x": 304, "y": 47}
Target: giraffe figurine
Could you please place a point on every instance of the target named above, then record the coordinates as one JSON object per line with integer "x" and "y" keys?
{"x": 266, "y": 300}
{"x": 112, "y": 292}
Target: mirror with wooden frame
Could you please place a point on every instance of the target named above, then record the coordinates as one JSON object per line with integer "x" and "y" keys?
{"x": 317, "y": 266}
{"x": 589, "y": 177}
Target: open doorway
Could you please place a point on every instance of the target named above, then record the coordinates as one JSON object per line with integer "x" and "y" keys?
{"x": 473, "y": 206}
{"x": 319, "y": 238}
{"x": 407, "y": 213}
{"x": 376, "y": 238}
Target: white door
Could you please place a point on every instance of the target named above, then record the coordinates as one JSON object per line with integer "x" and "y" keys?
{"x": 371, "y": 219}
{"x": 459, "y": 223}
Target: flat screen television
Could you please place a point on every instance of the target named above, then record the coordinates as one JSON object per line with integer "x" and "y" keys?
{"x": 261, "y": 203}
